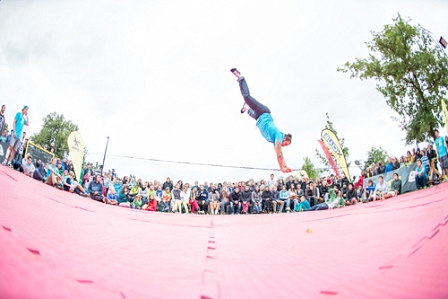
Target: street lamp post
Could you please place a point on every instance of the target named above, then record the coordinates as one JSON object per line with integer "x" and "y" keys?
{"x": 104, "y": 158}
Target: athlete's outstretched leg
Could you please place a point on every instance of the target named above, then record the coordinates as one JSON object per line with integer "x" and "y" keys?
{"x": 256, "y": 108}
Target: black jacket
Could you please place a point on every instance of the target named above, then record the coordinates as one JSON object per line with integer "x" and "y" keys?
{"x": 266, "y": 195}
{"x": 352, "y": 194}
{"x": 169, "y": 185}
{"x": 235, "y": 196}
{"x": 246, "y": 195}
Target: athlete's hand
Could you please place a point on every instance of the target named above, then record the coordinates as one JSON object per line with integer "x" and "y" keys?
{"x": 286, "y": 169}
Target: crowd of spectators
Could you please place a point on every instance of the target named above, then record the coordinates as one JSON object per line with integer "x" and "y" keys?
{"x": 244, "y": 197}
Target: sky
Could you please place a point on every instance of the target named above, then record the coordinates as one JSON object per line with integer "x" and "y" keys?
{"x": 154, "y": 77}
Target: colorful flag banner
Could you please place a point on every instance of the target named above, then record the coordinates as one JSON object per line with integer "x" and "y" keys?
{"x": 329, "y": 158}
{"x": 332, "y": 142}
{"x": 445, "y": 113}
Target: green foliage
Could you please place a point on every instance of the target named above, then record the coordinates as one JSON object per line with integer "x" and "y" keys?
{"x": 412, "y": 71}
{"x": 375, "y": 155}
{"x": 323, "y": 158}
{"x": 308, "y": 166}
{"x": 55, "y": 127}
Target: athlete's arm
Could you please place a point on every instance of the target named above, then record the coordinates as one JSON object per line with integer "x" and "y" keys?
{"x": 280, "y": 158}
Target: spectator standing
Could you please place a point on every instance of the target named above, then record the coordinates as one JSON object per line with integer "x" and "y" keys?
{"x": 271, "y": 182}
{"x": 441, "y": 150}
{"x": 168, "y": 184}
{"x": 2, "y": 118}
{"x": 425, "y": 161}
{"x": 20, "y": 120}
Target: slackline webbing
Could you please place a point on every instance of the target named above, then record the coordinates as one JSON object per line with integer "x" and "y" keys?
{"x": 208, "y": 164}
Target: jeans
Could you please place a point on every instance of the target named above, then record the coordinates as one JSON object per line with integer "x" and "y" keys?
{"x": 296, "y": 202}
{"x": 232, "y": 207}
{"x": 321, "y": 206}
{"x": 256, "y": 206}
{"x": 420, "y": 181}
{"x": 287, "y": 204}
{"x": 312, "y": 201}
{"x": 256, "y": 108}
{"x": 224, "y": 205}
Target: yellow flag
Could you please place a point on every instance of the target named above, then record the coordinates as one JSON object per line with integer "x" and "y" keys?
{"x": 301, "y": 174}
{"x": 76, "y": 149}
{"x": 445, "y": 113}
{"x": 334, "y": 146}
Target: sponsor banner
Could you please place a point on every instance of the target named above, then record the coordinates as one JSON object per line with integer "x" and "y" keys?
{"x": 445, "y": 113}
{"x": 76, "y": 150}
{"x": 334, "y": 146}
{"x": 38, "y": 153}
{"x": 329, "y": 158}
{"x": 406, "y": 175}
{"x": 301, "y": 174}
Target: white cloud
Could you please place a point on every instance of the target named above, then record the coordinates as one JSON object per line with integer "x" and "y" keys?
{"x": 154, "y": 76}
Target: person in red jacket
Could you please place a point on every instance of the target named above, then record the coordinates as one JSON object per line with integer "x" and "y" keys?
{"x": 360, "y": 180}
{"x": 152, "y": 204}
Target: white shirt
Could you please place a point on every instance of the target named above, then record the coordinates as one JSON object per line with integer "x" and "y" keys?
{"x": 185, "y": 196}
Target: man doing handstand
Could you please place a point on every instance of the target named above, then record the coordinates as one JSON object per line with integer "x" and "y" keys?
{"x": 265, "y": 122}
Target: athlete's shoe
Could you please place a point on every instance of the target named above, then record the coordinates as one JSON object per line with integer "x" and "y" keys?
{"x": 237, "y": 74}
{"x": 244, "y": 108}
{"x": 235, "y": 70}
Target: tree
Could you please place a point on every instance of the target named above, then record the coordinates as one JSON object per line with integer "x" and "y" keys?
{"x": 55, "y": 127}
{"x": 322, "y": 158}
{"x": 308, "y": 166}
{"x": 375, "y": 155}
{"x": 412, "y": 71}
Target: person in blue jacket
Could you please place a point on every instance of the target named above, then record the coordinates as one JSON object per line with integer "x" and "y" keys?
{"x": 265, "y": 122}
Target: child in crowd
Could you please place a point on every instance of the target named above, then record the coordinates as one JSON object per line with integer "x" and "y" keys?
{"x": 137, "y": 203}
{"x": 112, "y": 197}
{"x": 152, "y": 204}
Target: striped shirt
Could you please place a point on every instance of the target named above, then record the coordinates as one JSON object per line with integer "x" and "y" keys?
{"x": 425, "y": 161}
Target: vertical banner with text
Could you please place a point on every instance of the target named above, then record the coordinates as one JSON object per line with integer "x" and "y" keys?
{"x": 76, "y": 150}
{"x": 332, "y": 142}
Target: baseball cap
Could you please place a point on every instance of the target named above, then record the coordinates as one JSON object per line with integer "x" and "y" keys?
{"x": 25, "y": 107}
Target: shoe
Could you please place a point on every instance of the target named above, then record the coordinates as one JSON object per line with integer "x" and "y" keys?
{"x": 237, "y": 73}
{"x": 10, "y": 166}
{"x": 244, "y": 108}
{"x": 233, "y": 70}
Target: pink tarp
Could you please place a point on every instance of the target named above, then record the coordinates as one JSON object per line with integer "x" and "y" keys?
{"x": 58, "y": 245}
